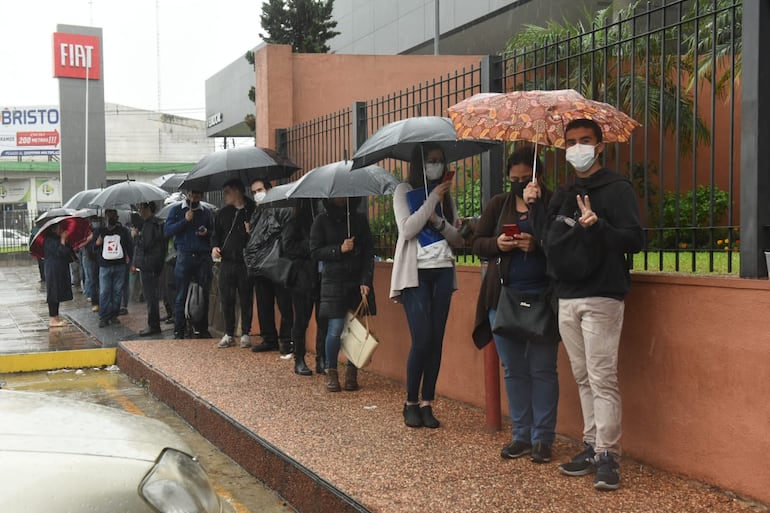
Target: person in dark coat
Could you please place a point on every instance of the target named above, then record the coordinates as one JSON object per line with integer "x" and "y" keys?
{"x": 265, "y": 228}
{"x": 341, "y": 239}
{"x": 57, "y": 255}
{"x": 227, "y": 244}
{"x": 302, "y": 283}
{"x": 149, "y": 257}
{"x": 518, "y": 262}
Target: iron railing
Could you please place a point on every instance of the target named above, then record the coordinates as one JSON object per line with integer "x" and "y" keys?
{"x": 673, "y": 67}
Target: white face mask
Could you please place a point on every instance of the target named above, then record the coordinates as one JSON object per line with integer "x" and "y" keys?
{"x": 581, "y": 156}
{"x": 259, "y": 197}
{"x": 434, "y": 171}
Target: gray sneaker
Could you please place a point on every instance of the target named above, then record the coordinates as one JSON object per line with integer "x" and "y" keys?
{"x": 227, "y": 341}
{"x": 245, "y": 341}
{"x": 607, "y": 473}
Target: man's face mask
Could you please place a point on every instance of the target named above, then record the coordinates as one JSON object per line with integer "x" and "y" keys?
{"x": 518, "y": 188}
{"x": 259, "y": 197}
{"x": 434, "y": 171}
{"x": 112, "y": 219}
{"x": 581, "y": 156}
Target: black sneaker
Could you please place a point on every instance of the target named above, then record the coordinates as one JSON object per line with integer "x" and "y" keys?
{"x": 178, "y": 335}
{"x": 123, "y": 311}
{"x": 103, "y": 323}
{"x": 412, "y": 416}
{"x": 607, "y": 473}
{"x": 541, "y": 453}
{"x": 203, "y": 334}
{"x": 582, "y": 464}
{"x": 114, "y": 320}
{"x": 264, "y": 347}
{"x": 515, "y": 450}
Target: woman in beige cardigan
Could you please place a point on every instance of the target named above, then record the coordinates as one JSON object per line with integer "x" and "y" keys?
{"x": 423, "y": 277}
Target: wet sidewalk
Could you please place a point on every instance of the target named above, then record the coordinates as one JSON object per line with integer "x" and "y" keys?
{"x": 351, "y": 451}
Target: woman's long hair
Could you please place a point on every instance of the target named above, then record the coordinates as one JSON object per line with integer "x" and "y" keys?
{"x": 416, "y": 177}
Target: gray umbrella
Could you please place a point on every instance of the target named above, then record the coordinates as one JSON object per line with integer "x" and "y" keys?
{"x": 82, "y": 199}
{"x": 163, "y": 213}
{"x": 336, "y": 181}
{"x": 125, "y": 194}
{"x": 246, "y": 164}
{"x": 278, "y": 194}
{"x": 398, "y": 140}
{"x": 170, "y": 182}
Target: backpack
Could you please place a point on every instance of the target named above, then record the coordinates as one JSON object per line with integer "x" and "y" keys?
{"x": 112, "y": 249}
{"x": 195, "y": 304}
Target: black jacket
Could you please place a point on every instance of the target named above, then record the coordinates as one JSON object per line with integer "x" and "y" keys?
{"x": 230, "y": 231}
{"x": 267, "y": 224}
{"x": 150, "y": 246}
{"x": 295, "y": 245}
{"x": 56, "y": 265}
{"x": 343, "y": 273}
{"x": 590, "y": 262}
{"x": 125, "y": 241}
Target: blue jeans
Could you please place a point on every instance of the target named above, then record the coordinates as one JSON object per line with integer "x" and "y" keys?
{"x": 333, "y": 334}
{"x": 89, "y": 274}
{"x": 112, "y": 278}
{"x": 427, "y": 309}
{"x": 532, "y": 387}
{"x": 191, "y": 266}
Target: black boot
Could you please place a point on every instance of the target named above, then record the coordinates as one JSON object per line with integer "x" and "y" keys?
{"x": 300, "y": 367}
{"x": 320, "y": 364}
{"x": 412, "y": 416}
{"x": 285, "y": 347}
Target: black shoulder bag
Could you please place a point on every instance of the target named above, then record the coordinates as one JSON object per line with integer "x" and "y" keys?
{"x": 523, "y": 316}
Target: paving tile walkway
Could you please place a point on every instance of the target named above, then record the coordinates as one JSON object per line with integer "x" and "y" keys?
{"x": 358, "y": 442}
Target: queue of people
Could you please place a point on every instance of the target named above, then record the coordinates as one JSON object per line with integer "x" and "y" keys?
{"x": 564, "y": 251}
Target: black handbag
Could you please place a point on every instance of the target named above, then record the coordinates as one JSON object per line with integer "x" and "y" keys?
{"x": 275, "y": 266}
{"x": 524, "y": 316}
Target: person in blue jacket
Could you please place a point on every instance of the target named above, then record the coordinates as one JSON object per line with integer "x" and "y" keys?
{"x": 191, "y": 225}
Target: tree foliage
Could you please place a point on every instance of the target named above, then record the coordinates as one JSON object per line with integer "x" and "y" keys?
{"x": 306, "y": 25}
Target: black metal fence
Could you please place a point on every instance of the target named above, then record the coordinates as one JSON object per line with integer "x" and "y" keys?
{"x": 674, "y": 67}
{"x": 15, "y": 228}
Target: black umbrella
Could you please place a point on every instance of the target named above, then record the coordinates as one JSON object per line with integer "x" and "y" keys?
{"x": 125, "y": 194}
{"x": 336, "y": 181}
{"x": 246, "y": 164}
{"x": 54, "y": 212}
{"x": 163, "y": 213}
{"x": 82, "y": 199}
{"x": 170, "y": 182}
{"x": 398, "y": 140}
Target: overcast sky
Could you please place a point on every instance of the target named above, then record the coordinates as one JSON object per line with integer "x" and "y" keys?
{"x": 197, "y": 39}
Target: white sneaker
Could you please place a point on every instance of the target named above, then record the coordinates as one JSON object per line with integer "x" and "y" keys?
{"x": 245, "y": 341}
{"x": 227, "y": 341}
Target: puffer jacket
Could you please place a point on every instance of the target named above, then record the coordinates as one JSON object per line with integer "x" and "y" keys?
{"x": 343, "y": 273}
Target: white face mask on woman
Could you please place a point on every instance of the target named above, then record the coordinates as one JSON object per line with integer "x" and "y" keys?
{"x": 434, "y": 171}
{"x": 581, "y": 156}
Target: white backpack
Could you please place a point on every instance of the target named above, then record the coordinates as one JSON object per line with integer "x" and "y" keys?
{"x": 112, "y": 249}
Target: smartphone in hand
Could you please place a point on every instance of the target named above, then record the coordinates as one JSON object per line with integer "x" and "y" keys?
{"x": 511, "y": 229}
{"x": 448, "y": 176}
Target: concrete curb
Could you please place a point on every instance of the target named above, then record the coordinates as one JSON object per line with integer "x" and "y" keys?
{"x": 305, "y": 490}
{"x": 50, "y": 360}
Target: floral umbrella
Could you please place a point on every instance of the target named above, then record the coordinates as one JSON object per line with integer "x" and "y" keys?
{"x": 535, "y": 116}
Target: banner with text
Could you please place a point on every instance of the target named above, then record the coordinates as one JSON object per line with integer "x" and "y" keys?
{"x": 29, "y": 131}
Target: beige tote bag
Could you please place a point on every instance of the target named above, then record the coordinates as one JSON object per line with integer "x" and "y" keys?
{"x": 358, "y": 342}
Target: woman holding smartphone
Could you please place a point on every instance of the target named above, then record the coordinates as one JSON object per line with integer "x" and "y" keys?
{"x": 504, "y": 235}
{"x": 423, "y": 277}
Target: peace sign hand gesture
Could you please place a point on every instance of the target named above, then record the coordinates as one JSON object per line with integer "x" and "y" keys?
{"x": 588, "y": 217}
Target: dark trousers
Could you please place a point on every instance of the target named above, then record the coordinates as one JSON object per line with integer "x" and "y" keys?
{"x": 322, "y": 326}
{"x": 151, "y": 290}
{"x": 189, "y": 267}
{"x": 233, "y": 279}
{"x": 53, "y": 309}
{"x": 427, "y": 309}
{"x": 268, "y": 294}
{"x": 168, "y": 287}
{"x": 303, "y": 309}
{"x": 40, "y": 269}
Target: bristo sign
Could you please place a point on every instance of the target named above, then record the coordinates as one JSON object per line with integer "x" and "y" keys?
{"x": 26, "y": 131}
{"x": 76, "y": 55}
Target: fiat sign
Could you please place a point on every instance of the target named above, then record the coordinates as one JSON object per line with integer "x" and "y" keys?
{"x": 76, "y": 56}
